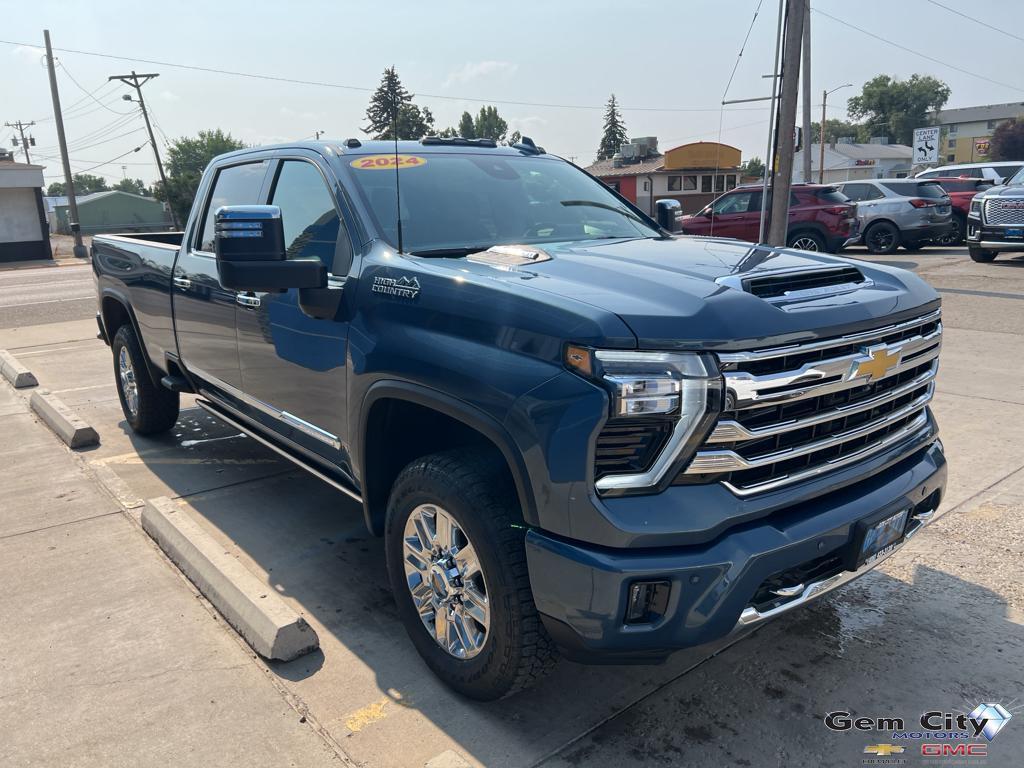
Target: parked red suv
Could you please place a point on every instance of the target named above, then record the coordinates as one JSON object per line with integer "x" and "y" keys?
{"x": 820, "y": 217}
{"x": 961, "y": 191}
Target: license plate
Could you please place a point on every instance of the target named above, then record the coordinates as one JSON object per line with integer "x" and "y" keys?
{"x": 882, "y": 537}
{"x": 1014, "y": 233}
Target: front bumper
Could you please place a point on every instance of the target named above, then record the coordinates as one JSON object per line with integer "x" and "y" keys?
{"x": 992, "y": 238}
{"x": 582, "y": 591}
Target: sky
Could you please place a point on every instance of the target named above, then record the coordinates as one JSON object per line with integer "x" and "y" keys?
{"x": 548, "y": 67}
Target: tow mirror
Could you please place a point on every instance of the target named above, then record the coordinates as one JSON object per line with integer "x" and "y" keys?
{"x": 670, "y": 214}
{"x": 249, "y": 243}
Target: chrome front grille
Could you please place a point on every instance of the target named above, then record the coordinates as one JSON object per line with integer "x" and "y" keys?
{"x": 800, "y": 411}
{"x": 1003, "y": 212}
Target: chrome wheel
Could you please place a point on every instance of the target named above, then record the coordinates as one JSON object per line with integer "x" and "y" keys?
{"x": 129, "y": 387}
{"x": 446, "y": 582}
{"x": 805, "y": 244}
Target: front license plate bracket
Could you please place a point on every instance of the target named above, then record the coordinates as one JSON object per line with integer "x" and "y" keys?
{"x": 876, "y": 535}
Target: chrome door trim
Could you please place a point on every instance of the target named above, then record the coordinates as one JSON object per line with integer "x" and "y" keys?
{"x": 283, "y": 416}
{"x": 216, "y": 411}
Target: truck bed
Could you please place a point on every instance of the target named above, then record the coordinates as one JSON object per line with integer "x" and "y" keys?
{"x": 136, "y": 271}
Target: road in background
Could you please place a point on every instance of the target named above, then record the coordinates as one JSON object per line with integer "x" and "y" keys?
{"x": 46, "y": 295}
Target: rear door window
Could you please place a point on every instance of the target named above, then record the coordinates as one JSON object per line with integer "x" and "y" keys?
{"x": 234, "y": 185}
{"x": 831, "y": 196}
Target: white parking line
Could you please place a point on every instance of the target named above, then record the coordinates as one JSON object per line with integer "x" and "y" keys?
{"x": 82, "y": 389}
{"x": 48, "y": 301}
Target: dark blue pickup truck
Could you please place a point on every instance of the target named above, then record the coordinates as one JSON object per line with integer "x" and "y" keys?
{"x": 577, "y": 431}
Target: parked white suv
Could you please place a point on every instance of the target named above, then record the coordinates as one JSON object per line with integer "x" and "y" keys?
{"x": 994, "y": 171}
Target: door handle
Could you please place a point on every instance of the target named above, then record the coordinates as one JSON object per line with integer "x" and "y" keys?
{"x": 182, "y": 282}
{"x": 247, "y": 300}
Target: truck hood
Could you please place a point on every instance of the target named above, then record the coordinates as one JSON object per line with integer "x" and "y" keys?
{"x": 687, "y": 292}
{"x": 1016, "y": 190}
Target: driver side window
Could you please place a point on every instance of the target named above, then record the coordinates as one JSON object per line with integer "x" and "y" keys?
{"x": 312, "y": 224}
{"x": 736, "y": 203}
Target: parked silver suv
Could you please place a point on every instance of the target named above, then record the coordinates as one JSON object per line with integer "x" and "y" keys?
{"x": 895, "y": 212}
{"x": 995, "y": 221}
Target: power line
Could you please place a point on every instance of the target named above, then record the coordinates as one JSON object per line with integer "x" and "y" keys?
{"x": 112, "y": 138}
{"x": 916, "y": 53}
{"x": 366, "y": 89}
{"x": 743, "y": 47}
{"x": 87, "y": 93}
{"x": 977, "y": 21}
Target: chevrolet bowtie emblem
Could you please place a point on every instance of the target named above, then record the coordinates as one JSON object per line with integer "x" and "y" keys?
{"x": 882, "y": 750}
{"x": 874, "y": 363}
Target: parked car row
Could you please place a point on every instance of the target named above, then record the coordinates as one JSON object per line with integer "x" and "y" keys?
{"x": 882, "y": 213}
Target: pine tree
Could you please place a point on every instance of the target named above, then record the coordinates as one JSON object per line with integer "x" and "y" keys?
{"x": 391, "y": 108}
{"x": 614, "y": 131}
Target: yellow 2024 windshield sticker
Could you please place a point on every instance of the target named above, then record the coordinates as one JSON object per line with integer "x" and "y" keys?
{"x": 387, "y": 162}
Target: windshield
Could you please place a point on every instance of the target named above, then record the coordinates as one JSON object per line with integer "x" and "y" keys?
{"x": 474, "y": 201}
{"x": 917, "y": 188}
{"x": 1018, "y": 177}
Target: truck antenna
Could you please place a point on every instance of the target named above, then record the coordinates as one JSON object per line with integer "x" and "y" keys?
{"x": 398, "y": 189}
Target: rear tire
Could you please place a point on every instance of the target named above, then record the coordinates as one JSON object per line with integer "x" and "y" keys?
{"x": 807, "y": 241}
{"x": 475, "y": 571}
{"x": 148, "y": 407}
{"x": 982, "y": 255}
{"x": 882, "y": 237}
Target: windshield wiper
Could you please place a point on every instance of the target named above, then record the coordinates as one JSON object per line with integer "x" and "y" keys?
{"x": 456, "y": 251}
{"x": 606, "y": 207}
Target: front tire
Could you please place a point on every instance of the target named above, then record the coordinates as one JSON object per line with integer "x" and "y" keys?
{"x": 982, "y": 255}
{"x": 457, "y": 565}
{"x": 148, "y": 407}
{"x": 882, "y": 237}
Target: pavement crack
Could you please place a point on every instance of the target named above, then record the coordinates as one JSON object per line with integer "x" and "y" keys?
{"x": 59, "y": 525}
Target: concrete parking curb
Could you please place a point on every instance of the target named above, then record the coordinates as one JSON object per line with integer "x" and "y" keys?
{"x": 62, "y": 420}
{"x": 15, "y": 372}
{"x": 262, "y": 618}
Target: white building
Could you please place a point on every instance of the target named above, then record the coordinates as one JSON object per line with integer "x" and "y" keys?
{"x": 23, "y": 230}
{"x": 846, "y": 161}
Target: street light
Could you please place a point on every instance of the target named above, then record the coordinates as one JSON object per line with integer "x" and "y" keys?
{"x": 821, "y": 157}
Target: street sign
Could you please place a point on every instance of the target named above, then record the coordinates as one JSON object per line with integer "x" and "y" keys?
{"x": 926, "y": 145}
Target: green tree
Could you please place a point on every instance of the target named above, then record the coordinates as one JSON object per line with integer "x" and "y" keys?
{"x": 894, "y": 108}
{"x": 85, "y": 184}
{"x": 187, "y": 157}
{"x": 614, "y": 131}
{"x": 467, "y": 128}
{"x": 134, "y": 186}
{"x": 1007, "y": 141}
{"x": 754, "y": 166}
{"x": 392, "y": 112}
{"x": 490, "y": 125}
{"x": 837, "y": 129}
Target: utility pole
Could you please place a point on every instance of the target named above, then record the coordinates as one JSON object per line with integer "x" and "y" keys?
{"x": 769, "y": 157}
{"x": 69, "y": 182}
{"x": 20, "y": 127}
{"x": 779, "y": 221}
{"x": 805, "y": 80}
{"x": 136, "y": 82}
{"x": 821, "y": 156}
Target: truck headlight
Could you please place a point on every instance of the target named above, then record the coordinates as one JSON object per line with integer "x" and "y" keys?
{"x": 659, "y": 400}
{"x": 975, "y": 209}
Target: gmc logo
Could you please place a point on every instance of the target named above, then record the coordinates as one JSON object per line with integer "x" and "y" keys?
{"x": 1014, "y": 205}
{"x": 930, "y": 749}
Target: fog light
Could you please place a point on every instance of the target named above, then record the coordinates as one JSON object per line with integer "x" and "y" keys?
{"x": 648, "y": 601}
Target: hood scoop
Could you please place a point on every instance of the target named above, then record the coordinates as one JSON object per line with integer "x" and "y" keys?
{"x": 510, "y": 256}
{"x": 798, "y": 285}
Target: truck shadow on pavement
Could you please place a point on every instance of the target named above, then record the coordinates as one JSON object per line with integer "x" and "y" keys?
{"x": 881, "y": 647}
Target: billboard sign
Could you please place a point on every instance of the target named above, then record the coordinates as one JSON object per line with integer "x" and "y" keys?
{"x": 926, "y": 146}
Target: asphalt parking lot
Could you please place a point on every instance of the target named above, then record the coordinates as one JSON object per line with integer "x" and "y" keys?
{"x": 940, "y": 626}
